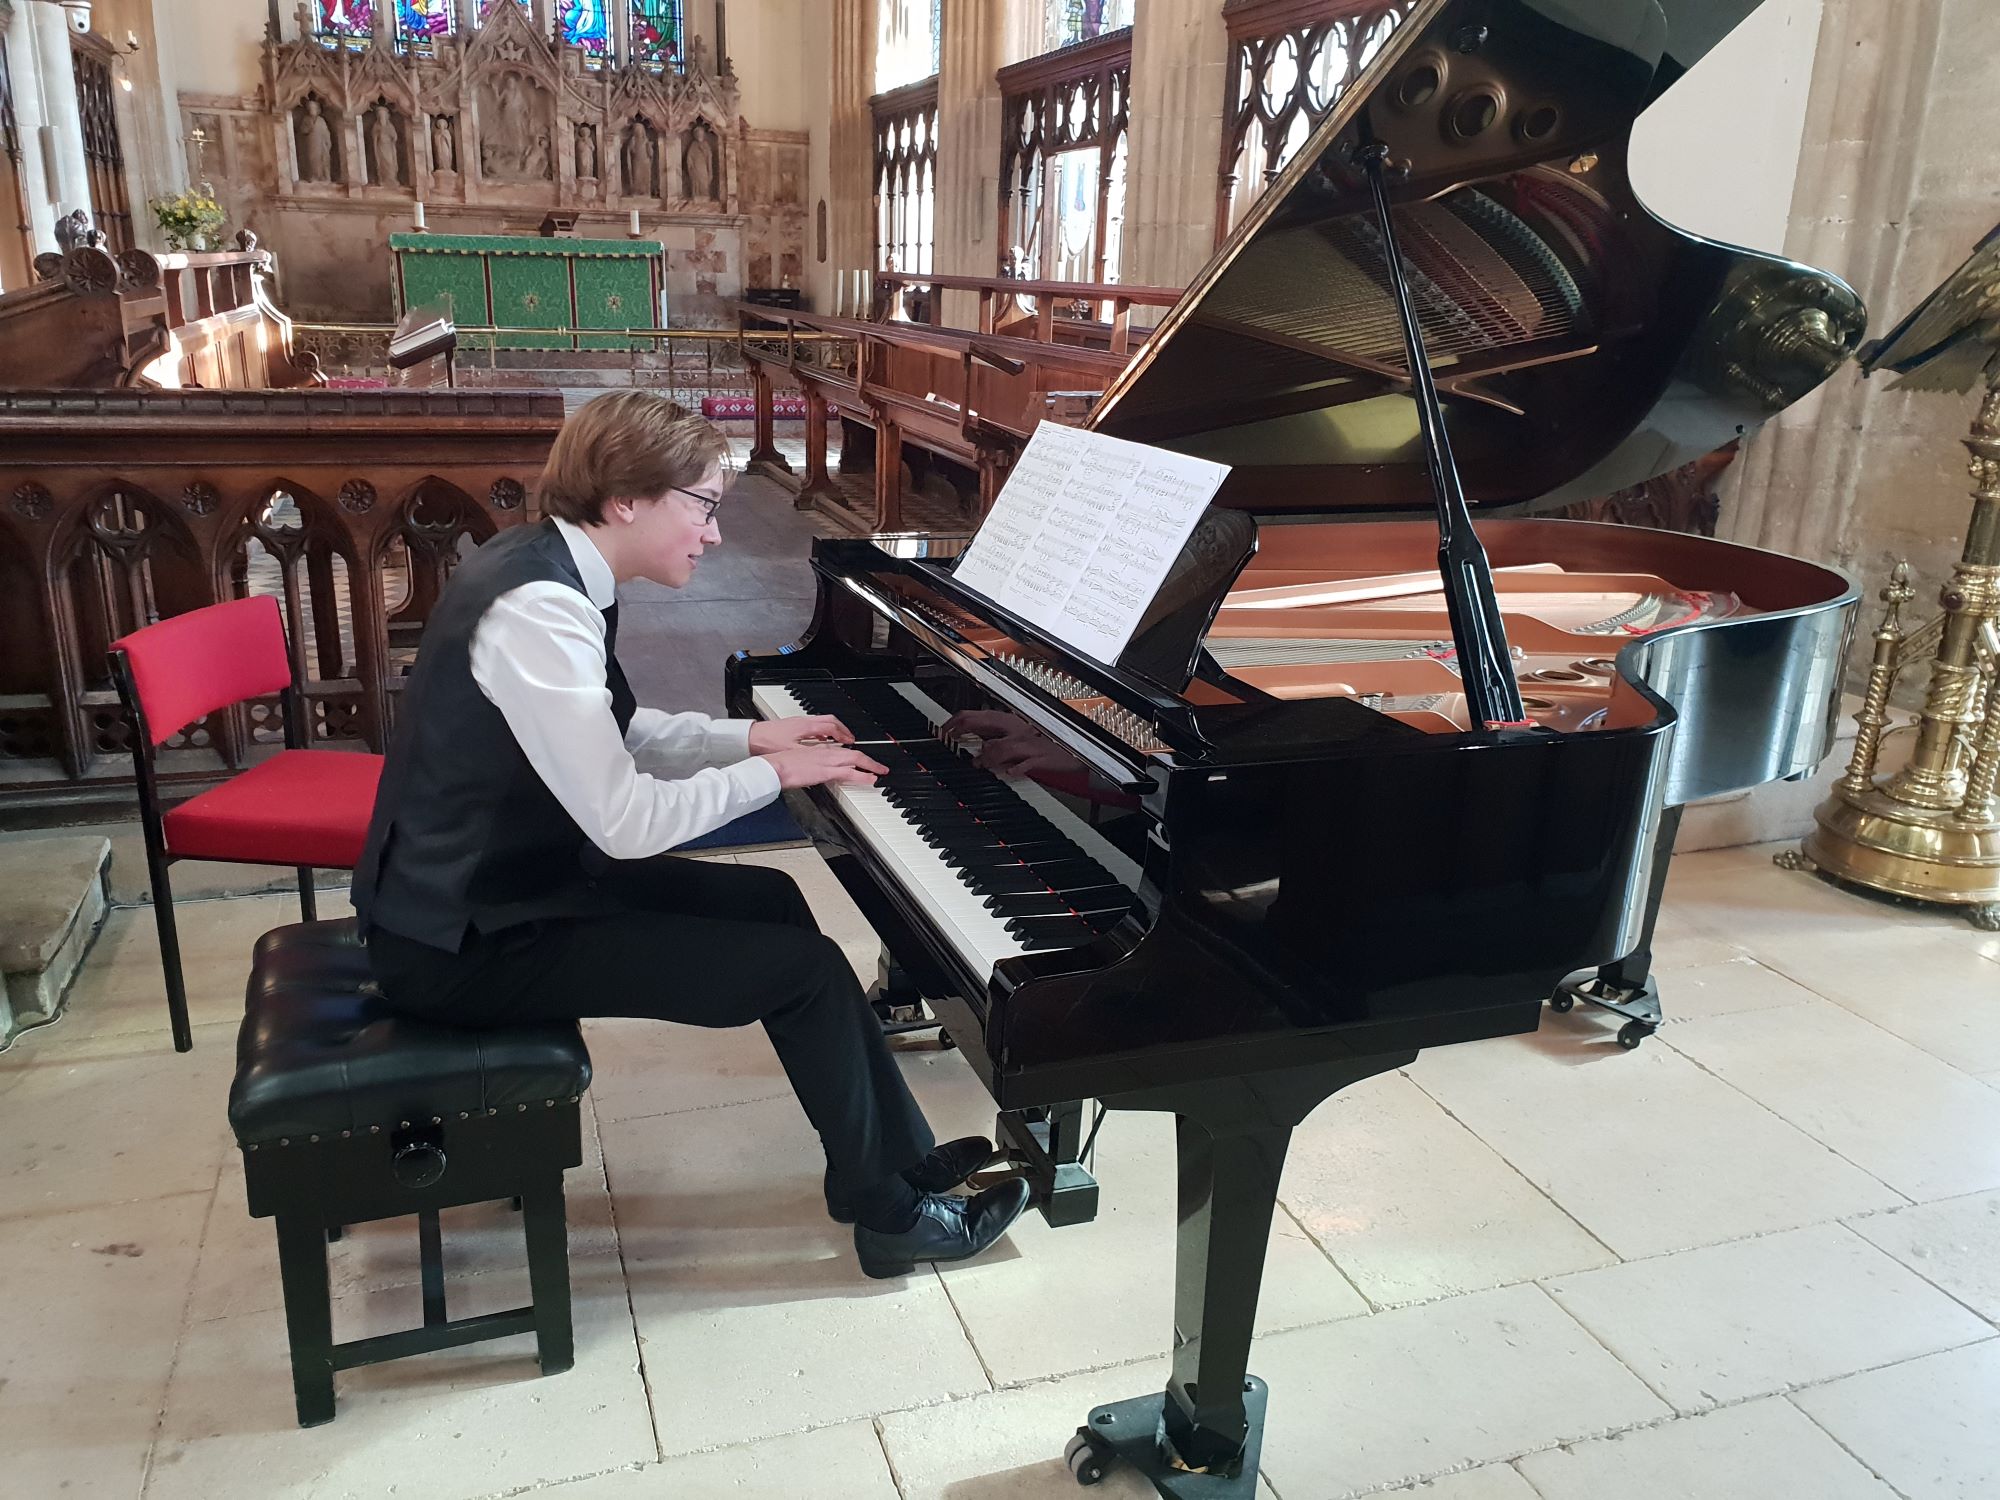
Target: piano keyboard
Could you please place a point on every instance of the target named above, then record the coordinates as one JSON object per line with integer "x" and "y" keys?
{"x": 1001, "y": 868}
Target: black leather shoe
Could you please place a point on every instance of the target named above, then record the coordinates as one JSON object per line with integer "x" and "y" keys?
{"x": 940, "y": 1172}
{"x": 947, "y": 1229}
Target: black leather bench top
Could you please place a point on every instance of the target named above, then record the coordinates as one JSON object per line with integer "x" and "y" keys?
{"x": 319, "y": 1053}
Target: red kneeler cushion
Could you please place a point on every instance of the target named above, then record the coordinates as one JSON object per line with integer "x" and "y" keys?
{"x": 300, "y": 807}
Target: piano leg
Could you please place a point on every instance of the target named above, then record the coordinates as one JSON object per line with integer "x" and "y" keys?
{"x": 1200, "y": 1438}
{"x": 1626, "y": 988}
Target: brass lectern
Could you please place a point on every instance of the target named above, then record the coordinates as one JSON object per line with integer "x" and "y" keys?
{"x": 1932, "y": 830}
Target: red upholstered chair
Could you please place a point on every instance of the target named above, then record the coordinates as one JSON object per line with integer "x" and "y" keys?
{"x": 307, "y": 808}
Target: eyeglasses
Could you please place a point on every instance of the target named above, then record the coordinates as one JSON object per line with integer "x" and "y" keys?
{"x": 709, "y": 504}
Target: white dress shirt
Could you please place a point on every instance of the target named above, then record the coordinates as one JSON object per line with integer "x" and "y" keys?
{"x": 538, "y": 656}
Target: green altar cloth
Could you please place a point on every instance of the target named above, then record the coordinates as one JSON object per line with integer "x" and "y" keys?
{"x": 525, "y": 281}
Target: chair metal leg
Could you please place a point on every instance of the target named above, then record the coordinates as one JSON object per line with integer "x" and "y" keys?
{"x": 308, "y": 1315}
{"x": 170, "y": 961}
{"x": 546, "y": 1228}
{"x": 308, "y": 906}
{"x": 430, "y": 1251}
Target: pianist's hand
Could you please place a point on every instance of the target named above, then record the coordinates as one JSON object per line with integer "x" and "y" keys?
{"x": 770, "y": 735}
{"x": 825, "y": 765}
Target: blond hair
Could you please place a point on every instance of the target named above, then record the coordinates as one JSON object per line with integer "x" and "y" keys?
{"x": 634, "y": 445}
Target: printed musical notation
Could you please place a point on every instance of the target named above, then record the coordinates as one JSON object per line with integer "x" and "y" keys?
{"x": 1084, "y": 531}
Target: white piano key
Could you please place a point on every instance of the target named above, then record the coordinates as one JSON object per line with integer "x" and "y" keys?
{"x": 923, "y": 874}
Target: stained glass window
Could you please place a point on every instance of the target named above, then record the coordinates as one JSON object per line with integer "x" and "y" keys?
{"x": 341, "y": 22}
{"x": 586, "y": 24}
{"x": 422, "y": 21}
{"x": 1072, "y": 21}
{"x": 486, "y": 6}
{"x": 657, "y": 35}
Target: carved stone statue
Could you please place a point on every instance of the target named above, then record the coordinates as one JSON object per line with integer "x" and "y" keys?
{"x": 74, "y": 229}
{"x": 382, "y": 139}
{"x": 697, "y": 57}
{"x": 640, "y": 181}
{"x": 444, "y": 150}
{"x": 317, "y": 162}
{"x": 506, "y": 136}
{"x": 538, "y": 157}
{"x": 669, "y": 182}
{"x": 586, "y": 151}
{"x": 701, "y": 163}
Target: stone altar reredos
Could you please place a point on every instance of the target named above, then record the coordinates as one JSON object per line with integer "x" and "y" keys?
{"x": 521, "y": 122}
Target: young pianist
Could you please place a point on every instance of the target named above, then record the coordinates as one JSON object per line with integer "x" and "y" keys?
{"x": 517, "y": 865}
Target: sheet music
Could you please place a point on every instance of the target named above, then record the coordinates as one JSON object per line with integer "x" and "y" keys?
{"x": 1084, "y": 531}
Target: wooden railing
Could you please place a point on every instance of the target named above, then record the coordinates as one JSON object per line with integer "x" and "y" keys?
{"x": 139, "y": 319}
{"x": 1074, "y": 312}
{"x": 967, "y": 396}
{"x": 121, "y": 508}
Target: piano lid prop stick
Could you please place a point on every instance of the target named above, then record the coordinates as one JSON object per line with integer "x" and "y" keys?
{"x": 1483, "y": 659}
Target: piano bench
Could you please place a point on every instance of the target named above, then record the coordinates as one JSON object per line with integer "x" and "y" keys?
{"x": 348, "y": 1114}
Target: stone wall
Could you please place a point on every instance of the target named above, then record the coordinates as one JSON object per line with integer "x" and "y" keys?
{"x": 1897, "y": 184}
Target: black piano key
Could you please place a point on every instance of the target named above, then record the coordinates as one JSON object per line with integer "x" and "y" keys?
{"x": 1039, "y": 934}
{"x": 1006, "y": 881}
{"x": 988, "y": 855}
{"x": 1048, "y": 903}
{"x": 1067, "y": 874}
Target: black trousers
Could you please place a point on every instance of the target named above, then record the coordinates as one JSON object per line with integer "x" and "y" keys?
{"x": 700, "y": 942}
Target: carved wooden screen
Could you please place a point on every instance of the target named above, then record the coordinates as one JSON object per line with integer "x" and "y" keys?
{"x": 906, "y": 176}
{"x": 103, "y": 155}
{"x": 1290, "y": 61}
{"x": 1063, "y": 121}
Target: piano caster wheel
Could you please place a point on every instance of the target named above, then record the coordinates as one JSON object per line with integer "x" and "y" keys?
{"x": 945, "y": 1043}
{"x": 1634, "y": 1032}
{"x": 1562, "y": 1002}
{"x": 1088, "y": 1463}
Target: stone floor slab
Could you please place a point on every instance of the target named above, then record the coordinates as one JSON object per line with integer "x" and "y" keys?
{"x": 1722, "y": 1324}
{"x": 1644, "y": 1149}
{"x": 1920, "y": 1125}
{"x": 1421, "y": 1391}
{"x": 1752, "y": 1452}
{"x": 641, "y": 1067}
{"x": 93, "y": 1314}
{"x": 754, "y": 1319}
{"x": 831, "y": 1463}
{"x": 112, "y": 1121}
{"x": 1008, "y": 1445}
{"x": 1412, "y": 1206}
{"x": 1493, "y": 1482}
{"x": 1954, "y": 1245}
{"x": 1943, "y": 997}
{"x": 1926, "y": 1426}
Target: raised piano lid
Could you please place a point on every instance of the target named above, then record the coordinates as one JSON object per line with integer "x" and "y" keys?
{"x": 1581, "y": 345}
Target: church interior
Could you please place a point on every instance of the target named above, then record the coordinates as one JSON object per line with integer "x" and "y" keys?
{"x": 1604, "y": 394}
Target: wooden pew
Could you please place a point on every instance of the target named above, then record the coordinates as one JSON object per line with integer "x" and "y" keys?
{"x": 967, "y": 396}
{"x": 138, "y": 319}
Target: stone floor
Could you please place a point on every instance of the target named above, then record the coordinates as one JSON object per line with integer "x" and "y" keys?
{"x": 1758, "y": 1257}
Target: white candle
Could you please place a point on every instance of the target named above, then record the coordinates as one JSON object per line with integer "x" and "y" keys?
{"x": 417, "y": 222}
{"x": 635, "y": 223}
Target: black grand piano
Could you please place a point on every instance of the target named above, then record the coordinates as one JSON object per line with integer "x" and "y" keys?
{"x": 1389, "y": 762}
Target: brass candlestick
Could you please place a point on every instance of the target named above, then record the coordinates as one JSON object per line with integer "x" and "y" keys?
{"x": 1932, "y": 830}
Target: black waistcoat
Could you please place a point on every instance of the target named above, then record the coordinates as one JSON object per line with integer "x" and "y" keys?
{"x": 465, "y": 834}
